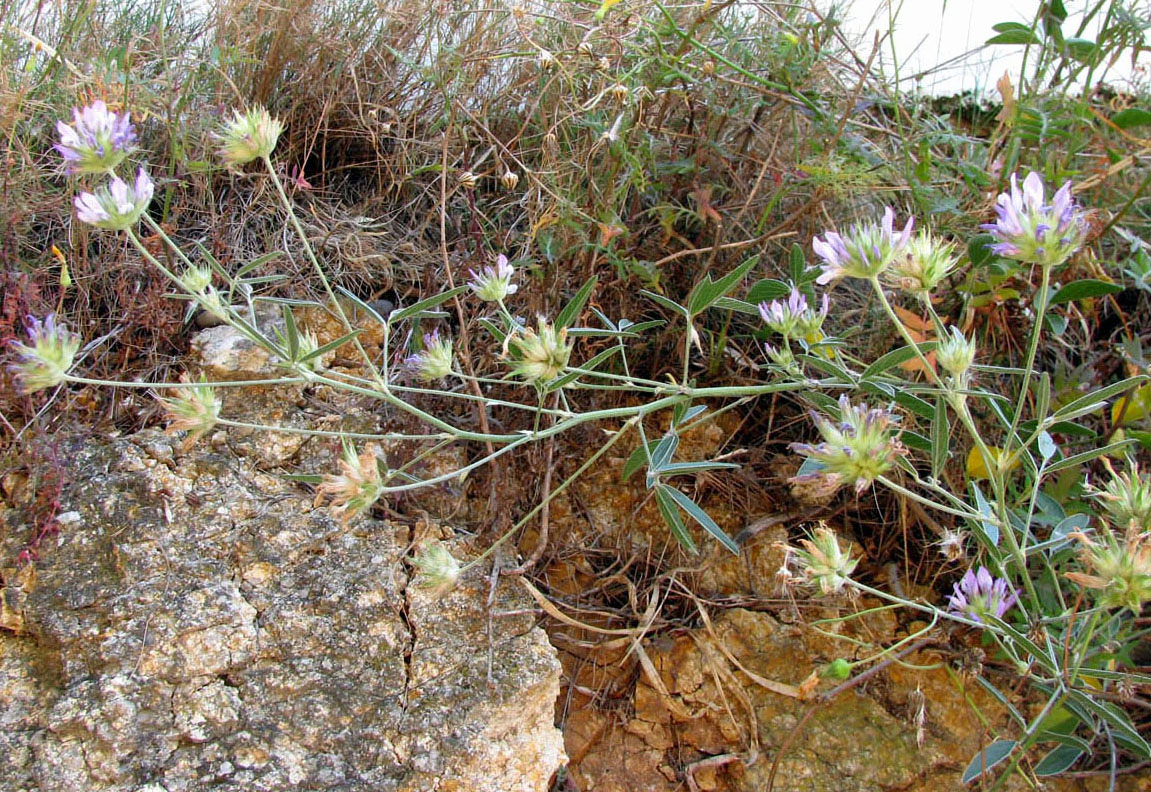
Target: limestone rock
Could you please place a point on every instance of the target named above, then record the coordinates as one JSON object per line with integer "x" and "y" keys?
{"x": 200, "y": 625}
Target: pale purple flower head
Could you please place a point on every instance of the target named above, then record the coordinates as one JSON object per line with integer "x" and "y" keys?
{"x": 858, "y": 449}
{"x": 117, "y": 206}
{"x": 434, "y": 361}
{"x": 866, "y": 251}
{"x": 97, "y": 141}
{"x": 1031, "y": 231}
{"x": 780, "y": 315}
{"x": 493, "y": 284}
{"x": 46, "y": 359}
{"x": 978, "y": 595}
{"x": 794, "y": 315}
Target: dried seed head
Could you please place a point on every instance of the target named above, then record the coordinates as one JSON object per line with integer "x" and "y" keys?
{"x": 509, "y": 180}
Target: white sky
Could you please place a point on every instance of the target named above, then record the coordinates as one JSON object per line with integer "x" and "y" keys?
{"x": 932, "y": 32}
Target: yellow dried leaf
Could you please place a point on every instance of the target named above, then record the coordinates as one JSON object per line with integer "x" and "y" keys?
{"x": 1007, "y": 92}
{"x": 977, "y": 467}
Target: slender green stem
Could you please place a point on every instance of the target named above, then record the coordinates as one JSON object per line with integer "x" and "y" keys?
{"x": 1032, "y": 350}
{"x": 635, "y": 419}
{"x": 969, "y": 514}
{"x": 328, "y": 432}
{"x": 299, "y": 229}
{"x": 173, "y": 385}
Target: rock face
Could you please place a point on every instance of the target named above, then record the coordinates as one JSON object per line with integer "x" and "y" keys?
{"x": 201, "y": 626}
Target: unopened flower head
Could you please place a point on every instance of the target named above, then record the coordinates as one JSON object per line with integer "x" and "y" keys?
{"x": 867, "y": 250}
{"x": 956, "y": 354}
{"x": 824, "y": 562}
{"x": 1126, "y": 499}
{"x": 97, "y": 141}
{"x": 356, "y": 487}
{"x": 196, "y": 280}
{"x": 978, "y": 595}
{"x": 493, "y": 284}
{"x": 309, "y": 343}
{"x": 194, "y": 410}
{"x": 1029, "y": 230}
{"x": 118, "y": 206}
{"x": 509, "y": 180}
{"x": 539, "y": 356}
{"x": 856, "y": 450}
{"x": 45, "y": 360}
{"x": 924, "y": 264}
{"x": 434, "y": 361}
{"x": 468, "y": 180}
{"x": 781, "y": 356}
{"x": 249, "y": 136}
{"x": 782, "y": 315}
{"x": 1119, "y": 570}
{"x": 810, "y": 322}
{"x": 441, "y": 571}
{"x": 952, "y": 544}
{"x": 547, "y": 60}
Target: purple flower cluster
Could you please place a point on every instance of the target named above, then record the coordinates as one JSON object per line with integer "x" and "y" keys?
{"x": 434, "y": 361}
{"x": 794, "y": 314}
{"x": 97, "y": 140}
{"x": 858, "y": 449}
{"x": 978, "y": 595}
{"x": 45, "y": 360}
{"x": 865, "y": 252}
{"x": 1029, "y": 230}
{"x": 117, "y": 206}
{"x": 493, "y": 284}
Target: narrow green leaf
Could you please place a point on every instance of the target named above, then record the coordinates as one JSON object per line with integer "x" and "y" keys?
{"x": 896, "y": 357}
{"x": 739, "y": 306}
{"x": 425, "y": 305}
{"x": 1057, "y": 761}
{"x": 704, "y": 295}
{"x": 1014, "y": 37}
{"x": 1043, "y": 394}
{"x": 1065, "y": 737}
{"x": 1078, "y": 459}
{"x": 987, "y": 759}
{"x": 681, "y": 468}
{"x": 988, "y": 528}
{"x": 664, "y": 451}
{"x": 493, "y": 327}
{"x": 1081, "y": 49}
{"x": 940, "y": 437}
{"x": 570, "y": 312}
{"x": 670, "y": 513}
{"x": 682, "y": 413}
{"x": 1131, "y": 117}
{"x": 1121, "y": 727}
{"x": 916, "y": 441}
{"x": 671, "y": 305}
{"x": 700, "y": 516}
{"x": 797, "y": 263}
{"x": 363, "y": 306}
{"x": 589, "y": 365}
{"x": 766, "y": 290}
{"x": 1084, "y": 289}
{"x": 291, "y": 333}
{"x": 1023, "y": 641}
{"x": 331, "y": 345}
{"x": 635, "y": 462}
{"x": 1072, "y": 409}
{"x": 979, "y": 249}
{"x": 259, "y": 261}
